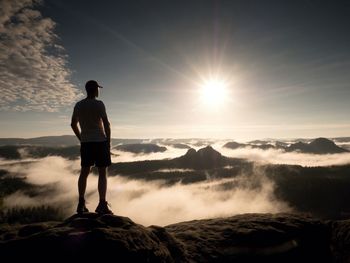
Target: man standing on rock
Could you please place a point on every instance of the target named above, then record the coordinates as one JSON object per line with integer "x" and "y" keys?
{"x": 94, "y": 137}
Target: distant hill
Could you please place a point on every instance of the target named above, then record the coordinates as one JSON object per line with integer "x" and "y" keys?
{"x": 68, "y": 146}
{"x": 258, "y": 142}
{"x": 140, "y": 148}
{"x": 242, "y": 238}
{"x": 317, "y": 146}
{"x": 235, "y": 145}
{"x": 176, "y": 143}
{"x": 64, "y": 140}
{"x": 70, "y": 140}
{"x": 262, "y": 146}
{"x": 181, "y": 146}
{"x": 16, "y": 152}
{"x": 203, "y": 158}
{"x": 341, "y": 139}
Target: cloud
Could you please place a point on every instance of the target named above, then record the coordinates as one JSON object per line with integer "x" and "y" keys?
{"x": 34, "y": 74}
{"x": 171, "y": 152}
{"x": 164, "y": 205}
{"x": 155, "y": 202}
{"x": 271, "y": 156}
{"x": 146, "y": 202}
{"x": 274, "y": 156}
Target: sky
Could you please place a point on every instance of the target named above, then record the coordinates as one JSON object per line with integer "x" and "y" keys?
{"x": 283, "y": 65}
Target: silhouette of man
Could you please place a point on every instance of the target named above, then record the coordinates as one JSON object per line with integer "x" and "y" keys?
{"x": 94, "y": 137}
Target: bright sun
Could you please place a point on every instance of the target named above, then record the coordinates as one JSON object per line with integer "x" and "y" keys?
{"x": 213, "y": 92}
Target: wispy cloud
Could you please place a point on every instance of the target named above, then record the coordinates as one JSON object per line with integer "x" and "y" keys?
{"x": 34, "y": 74}
{"x": 291, "y": 158}
{"x": 160, "y": 204}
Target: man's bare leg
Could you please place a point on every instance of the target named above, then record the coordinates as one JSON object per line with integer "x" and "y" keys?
{"x": 82, "y": 188}
{"x": 102, "y": 207}
{"x": 84, "y": 173}
{"x": 102, "y": 182}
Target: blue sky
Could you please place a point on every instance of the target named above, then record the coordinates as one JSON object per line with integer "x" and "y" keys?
{"x": 285, "y": 63}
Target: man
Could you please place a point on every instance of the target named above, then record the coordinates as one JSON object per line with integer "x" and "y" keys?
{"x": 94, "y": 137}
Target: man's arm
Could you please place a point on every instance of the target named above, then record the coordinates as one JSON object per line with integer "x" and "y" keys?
{"x": 107, "y": 128}
{"x": 74, "y": 125}
{"x": 106, "y": 124}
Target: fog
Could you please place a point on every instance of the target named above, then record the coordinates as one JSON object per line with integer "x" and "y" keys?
{"x": 171, "y": 152}
{"x": 121, "y": 156}
{"x": 273, "y": 156}
{"x": 281, "y": 157}
{"x": 345, "y": 145}
{"x": 145, "y": 202}
{"x": 157, "y": 202}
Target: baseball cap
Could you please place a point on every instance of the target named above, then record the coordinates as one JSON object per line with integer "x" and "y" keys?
{"x": 92, "y": 84}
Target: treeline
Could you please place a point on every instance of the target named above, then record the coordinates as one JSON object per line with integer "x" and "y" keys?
{"x": 25, "y": 215}
{"x": 12, "y": 152}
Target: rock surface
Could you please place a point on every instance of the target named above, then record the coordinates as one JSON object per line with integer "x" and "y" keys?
{"x": 241, "y": 238}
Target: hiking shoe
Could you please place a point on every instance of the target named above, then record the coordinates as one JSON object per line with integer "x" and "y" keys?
{"x": 102, "y": 208}
{"x": 81, "y": 208}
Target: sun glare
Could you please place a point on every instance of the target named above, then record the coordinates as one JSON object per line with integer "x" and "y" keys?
{"x": 214, "y": 92}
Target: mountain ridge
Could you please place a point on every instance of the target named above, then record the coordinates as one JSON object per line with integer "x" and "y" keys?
{"x": 316, "y": 146}
{"x": 240, "y": 238}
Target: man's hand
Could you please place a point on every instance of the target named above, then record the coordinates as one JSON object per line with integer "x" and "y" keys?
{"x": 75, "y": 128}
{"x": 107, "y": 128}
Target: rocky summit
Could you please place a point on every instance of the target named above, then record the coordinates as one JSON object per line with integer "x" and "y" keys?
{"x": 241, "y": 238}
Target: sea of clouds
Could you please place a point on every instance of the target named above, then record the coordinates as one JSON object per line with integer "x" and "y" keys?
{"x": 155, "y": 202}
{"x": 145, "y": 202}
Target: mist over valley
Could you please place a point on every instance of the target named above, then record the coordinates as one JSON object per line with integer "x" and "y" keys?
{"x": 172, "y": 183}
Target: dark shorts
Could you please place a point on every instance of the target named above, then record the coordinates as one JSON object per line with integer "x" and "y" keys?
{"x": 95, "y": 153}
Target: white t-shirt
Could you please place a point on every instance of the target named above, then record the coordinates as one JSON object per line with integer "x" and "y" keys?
{"x": 89, "y": 113}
